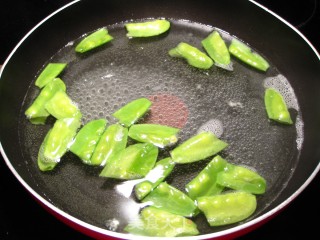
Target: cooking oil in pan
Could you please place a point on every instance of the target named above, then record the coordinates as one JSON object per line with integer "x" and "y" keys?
{"x": 228, "y": 103}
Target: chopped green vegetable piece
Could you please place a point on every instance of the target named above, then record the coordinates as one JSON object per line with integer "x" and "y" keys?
{"x": 37, "y": 113}
{"x": 57, "y": 142}
{"x": 87, "y": 138}
{"x": 133, "y": 162}
{"x": 170, "y": 199}
{"x": 159, "y": 135}
{"x": 205, "y": 183}
{"x": 192, "y": 55}
{"x": 156, "y": 175}
{"x": 155, "y": 222}
{"x": 50, "y": 72}
{"x": 147, "y": 29}
{"x": 94, "y": 40}
{"x": 198, "y": 147}
{"x": 61, "y": 106}
{"x": 113, "y": 140}
{"x": 245, "y": 54}
{"x": 217, "y": 50}
{"x": 227, "y": 208}
{"x": 131, "y": 112}
{"x": 276, "y": 107}
{"x": 241, "y": 178}
{"x": 43, "y": 163}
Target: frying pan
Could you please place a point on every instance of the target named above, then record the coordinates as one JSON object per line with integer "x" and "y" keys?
{"x": 65, "y": 191}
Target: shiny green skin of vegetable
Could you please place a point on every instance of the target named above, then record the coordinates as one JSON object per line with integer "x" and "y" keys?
{"x": 113, "y": 140}
{"x": 159, "y": 135}
{"x": 156, "y": 175}
{"x": 57, "y": 142}
{"x": 94, "y": 40}
{"x": 168, "y": 198}
{"x": 133, "y": 162}
{"x": 217, "y": 49}
{"x": 276, "y": 107}
{"x": 245, "y": 54}
{"x": 198, "y": 147}
{"x": 227, "y": 208}
{"x": 50, "y": 72}
{"x": 147, "y": 29}
{"x": 61, "y": 106}
{"x": 155, "y": 222}
{"x": 37, "y": 113}
{"x": 87, "y": 138}
{"x": 132, "y": 111}
{"x": 192, "y": 55}
{"x": 241, "y": 178}
{"x": 205, "y": 183}
{"x": 43, "y": 163}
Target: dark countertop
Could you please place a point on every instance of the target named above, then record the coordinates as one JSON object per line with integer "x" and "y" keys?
{"x": 22, "y": 218}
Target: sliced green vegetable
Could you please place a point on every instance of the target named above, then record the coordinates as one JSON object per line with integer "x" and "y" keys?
{"x": 217, "y": 50}
{"x": 241, "y": 178}
{"x": 205, "y": 183}
{"x": 147, "y": 29}
{"x": 131, "y": 112}
{"x": 113, "y": 140}
{"x": 161, "y": 170}
{"x": 227, "y": 208}
{"x": 159, "y": 135}
{"x": 155, "y": 222}
{"x": 198, "y": 147}
{"x": 43, "y": 163}
{"x": 133, "y": 162}
{"x": 61, "y": 106}
{"x": 168, "y": 198}
{"x": 94, "y": 40}
{"x": 245, "y": 54}
{"x": 50, "y": 72}
{"x": 37, "y": 113}
{"x": 192, "y": 55}
{"x": 87, "y": 138}
{"x": 57, "y": 142}
{"x": 276, "y": 107}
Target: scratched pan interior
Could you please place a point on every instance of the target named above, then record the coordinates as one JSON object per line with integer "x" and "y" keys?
{"x": 105, "y": 79}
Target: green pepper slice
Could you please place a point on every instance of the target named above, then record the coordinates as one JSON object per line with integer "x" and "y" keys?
{"x": 147, "y": 29}
{"x": 132, "y": 111}
{"x": 192, "y": 55}
{"x": 217, "y": 50}
{"x": 36, "y": 112}
{"x": 198, "y": 147}
{"x": 133, "y": 162}
{"x": 155, "y": 222}
{"x": 241, "y": 178}
{"x": 156, "y": 175}
{"x": 87, "y": 138}
{"x": 50, "y": 72}
{"x": 61, "y": 106}
{"x": 276, "y": 107}
{"x": 227, "y": 208}
{"x": 205, "y": 183}
{"x": 171, "y": 199}
{"x": 245, "y": 54}
{"x": 113, "y": 140}
{"x": 159, "y": 135}
{"x": 94, "y": 40}
{"x": 57, "y": 142}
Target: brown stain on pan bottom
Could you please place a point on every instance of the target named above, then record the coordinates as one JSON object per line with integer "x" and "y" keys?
{"x": 167, "y": 109}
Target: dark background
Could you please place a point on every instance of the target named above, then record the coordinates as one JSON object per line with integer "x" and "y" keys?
{"x": 22, "y": 218}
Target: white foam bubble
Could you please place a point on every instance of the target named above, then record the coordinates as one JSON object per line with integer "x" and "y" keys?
{"x": 213, "y": 125}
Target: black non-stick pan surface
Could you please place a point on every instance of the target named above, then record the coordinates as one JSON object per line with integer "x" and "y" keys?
{"x": 228, "y": 103}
